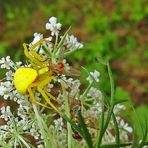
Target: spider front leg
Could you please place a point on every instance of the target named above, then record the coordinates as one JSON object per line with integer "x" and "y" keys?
{"x": 34, "y": 53}
{"x": 31, "y": 58}
{"x": 33, "y": 100}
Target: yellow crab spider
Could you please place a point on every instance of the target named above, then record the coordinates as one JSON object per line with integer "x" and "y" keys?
{"x": 28, "y": 80}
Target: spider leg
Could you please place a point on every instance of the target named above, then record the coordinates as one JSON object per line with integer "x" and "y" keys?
{"x": 50, "y": 95}
{"x": 33, "y": 100}
{"x": 34, "y": 53}
{"x": 39, "y": 88}
{"x": 42, "y": 85}
{"x": 31, "y": 58}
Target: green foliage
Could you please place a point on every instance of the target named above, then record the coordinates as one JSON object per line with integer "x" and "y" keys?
{"x": 140, "y": 120}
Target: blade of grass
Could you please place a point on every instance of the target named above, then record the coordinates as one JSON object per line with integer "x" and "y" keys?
{"x": 134, "y": 143}
{"x": 85, "y": 131}
{"x": 76, "y": 127}
{"x": 144, "y": 135}
{"x": 110, "y": 104}
{"x": 114, "y": 145}
{"x": 111, "y": 82}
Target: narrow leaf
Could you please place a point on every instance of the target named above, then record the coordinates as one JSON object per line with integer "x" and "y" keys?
{"x": 85, "y": 131}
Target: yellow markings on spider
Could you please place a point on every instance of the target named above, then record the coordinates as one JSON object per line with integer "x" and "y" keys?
{"x": 29, "y": 80}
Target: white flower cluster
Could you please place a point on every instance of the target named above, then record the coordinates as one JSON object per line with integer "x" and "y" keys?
{"x": 94, "y": 76}
{"x": 72, "y": 43}
{"x": 7, "y": 63}
{"x": 20, "y": 125}
{"x": 53, "y": 26}
{"x": 59, "y": 124}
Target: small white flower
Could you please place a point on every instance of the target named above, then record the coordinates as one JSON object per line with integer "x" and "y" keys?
{"x": 124, "y": 125}
{"x": 34, "y": 133}
{"x": 118, "y": 108}
{"x": 49, "y": 87}
{"x": 37, "y": 37}
{"x": 72, "y": 43}
{"x": 53, "y": 26}
{"x": 6, "y": 63}
{"x": 6, "y": 113}
{"x": 18, "y": 64}
{"x": 5, "y": 89}
{"x": 93, "y": 111}
{"x": 2, "y": 90}
{"x": 94, "y": 93}
{"x": 49, "y": 38}
{"x": 93, "y": 76}
{"x": 59, "y": 124}
{"x": 9, "y": 75}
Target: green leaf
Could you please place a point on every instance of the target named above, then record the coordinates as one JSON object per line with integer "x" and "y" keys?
{"x": 76, "y": 127}
{"x": 62, "y": 40}
{"x": 85, "y": 131}
{"x": 138, "y": 118}
{"x": 120, "y": 101}
{"x": 117, "y": 133}
{"x": 115, "y": 145}
{"x": 144, "y": 135}
{"x": 134, "y": 141}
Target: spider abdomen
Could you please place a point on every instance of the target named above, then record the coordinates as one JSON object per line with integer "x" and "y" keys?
{"x": 23, "y": 77}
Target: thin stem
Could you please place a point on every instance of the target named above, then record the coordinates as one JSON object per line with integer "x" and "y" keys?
{"x": 111, "y": 82}
{"x": 117, "y": 134}
{"x": 23, "y": 141}
{"x": 56, "y": 41}
{"x": 115, "y": 145}
{"x": 83, "y": 96}
{"x": 67, "y": 112}
{"x": 101, "y": 128}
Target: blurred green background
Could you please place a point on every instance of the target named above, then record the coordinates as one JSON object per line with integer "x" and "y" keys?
{"x": 114, "y": 30}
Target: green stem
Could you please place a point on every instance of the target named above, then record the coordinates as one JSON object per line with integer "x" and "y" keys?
{"x": 117, "y": 134}
{"x": 23, "y": 141}
{"x": 82, "y": 97}
{"x": 114, "y": 145}
{"x": 110, "y": 105}
{"x": 67, "y": 112}
{"x": 111, "y": 82}
{"x": 101, "y": 128}
{"x": 56, "y": 41}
